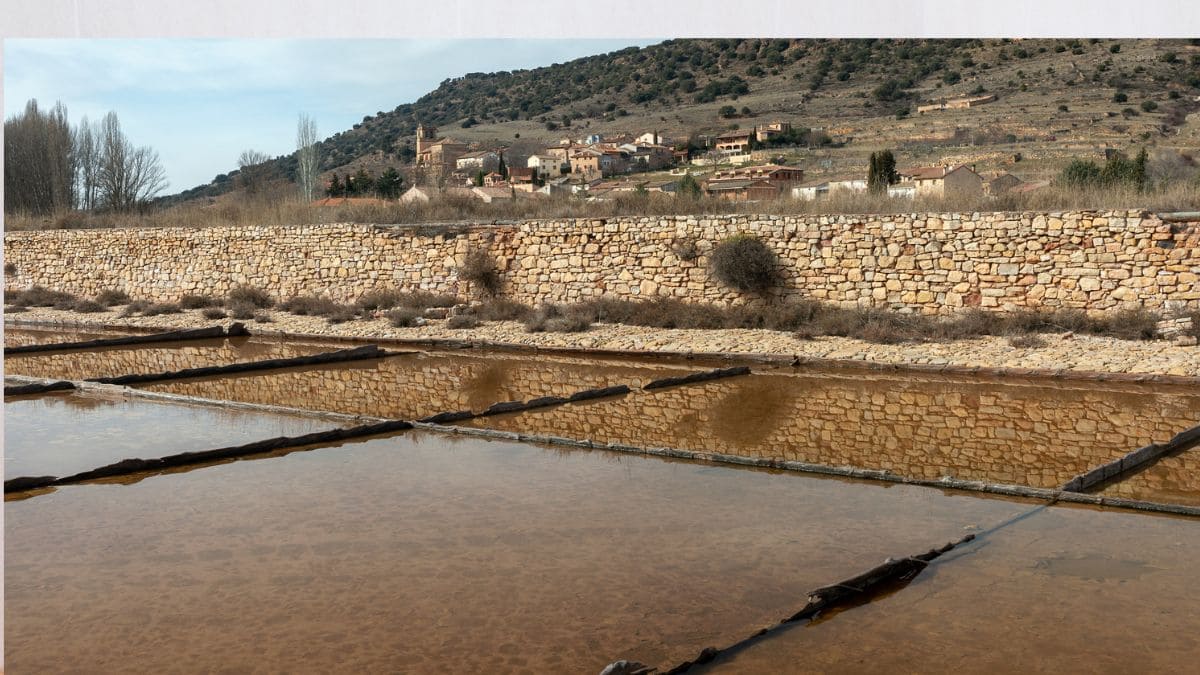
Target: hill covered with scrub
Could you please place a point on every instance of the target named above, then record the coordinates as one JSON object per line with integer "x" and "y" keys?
{"x": 1053, "y": 97}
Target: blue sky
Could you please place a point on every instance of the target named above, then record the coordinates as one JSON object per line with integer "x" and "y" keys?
{"x": 200, "y": 103}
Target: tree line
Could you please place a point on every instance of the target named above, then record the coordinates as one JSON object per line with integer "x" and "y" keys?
{"x": 51, "y": 165}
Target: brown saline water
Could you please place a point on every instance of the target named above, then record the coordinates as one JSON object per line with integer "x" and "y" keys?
{"x": 62, "y": 434}
{"x": 430, "y": 553}
{"x": 1069, "y": 590}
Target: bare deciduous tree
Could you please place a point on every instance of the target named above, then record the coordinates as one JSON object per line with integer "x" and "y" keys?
{"x": 128, "y": 176}
{"x": 306, "y": 157}
{"x": 87, "y": 154}
{"x": 39, "y": 161}
{"x": 252, "y": 170}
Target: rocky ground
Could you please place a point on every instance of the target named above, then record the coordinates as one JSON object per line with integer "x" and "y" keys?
{"x": 1060, "y": 351}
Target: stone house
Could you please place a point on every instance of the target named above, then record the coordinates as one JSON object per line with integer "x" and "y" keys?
{"x": 734, "y": 142}
{"x": 741, "y": 189}
{"x": 763, "y": 132}
{"x": 480, "y": 160}
{"x": 548, "y": 166}
{"x": 438, "y": 155}
{"x": 1001, "y": 184}
{"x": 784, "y": 178}
{"x": 944, "y": 181}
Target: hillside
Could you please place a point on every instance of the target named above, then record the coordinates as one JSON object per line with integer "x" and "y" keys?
{"x": 1055, "y": 99}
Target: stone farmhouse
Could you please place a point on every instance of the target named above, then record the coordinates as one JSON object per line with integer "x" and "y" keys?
{"x": 957, "y": 103}
{"x": 944, "y": 181}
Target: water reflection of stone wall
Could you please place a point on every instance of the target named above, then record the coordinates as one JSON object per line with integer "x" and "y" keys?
{"x": 79, "y": 365}
{"x": 417, "y": 385}
{"x": 18, "y": 337}
{"x": 1031, "y": 435}
{"x": 1173, "y": 480}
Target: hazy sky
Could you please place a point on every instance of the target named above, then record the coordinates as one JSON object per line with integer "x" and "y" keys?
{"x": 200, "y": 103}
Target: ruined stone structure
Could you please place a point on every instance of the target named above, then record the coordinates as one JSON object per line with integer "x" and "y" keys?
{"x": 922, "y": 262}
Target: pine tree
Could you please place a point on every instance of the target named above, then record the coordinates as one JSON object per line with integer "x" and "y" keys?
{"x": 388, "y": 185}
{"x": 1139, "y": 170}
{"x": 363, "y": 184}
{"x": 335, "y": 187}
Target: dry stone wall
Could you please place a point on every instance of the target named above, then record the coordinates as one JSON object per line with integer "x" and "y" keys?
{"x": 923, "y": 262}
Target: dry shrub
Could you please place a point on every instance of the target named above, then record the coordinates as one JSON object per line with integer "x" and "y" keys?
{"x": 342, "y": 314}
{"x": 551, "y": 318}
{"x": 135, "y": 307}
{"x": 10, "y": 269}
{"x": 1132, "y": 324}
{"x": 502, "y": 310}
{"x": 379, "y": 300}
{"x": 263, "y": 317}
{"x": 39, "y": 296}
{"x": 744, "y": 263}
{"x": 161, "y": 308}
{"x": 462, "y": 322}
{"x": 1194, "y": 331}
{"x": 86, "y": 307}
{"x": 112, "y": 297}
{"x": 250, "y": 295}
{"x": 480, "y": 269}
{"x": 426, "y": 299}
{"x": 403, "y": 317}
{"x": 1026, "y": 342}
{"x": 191, "y": 301}
{"x": 212, "y": 313}
{"x": 310, "y": 305}
{"x": 242, "y": 310}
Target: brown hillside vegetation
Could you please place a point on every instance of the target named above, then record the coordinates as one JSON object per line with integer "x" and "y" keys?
{"x": 1056, "y": 99}
{"x": 1179, "y": 197}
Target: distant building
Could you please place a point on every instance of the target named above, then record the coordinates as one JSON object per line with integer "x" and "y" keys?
{"x": 783, "y": 177}
{"x": 741, "y": 189}
{"x": 438, "y": 155}
{"x": 735, "y": 142}
{"x": 547, "y": 166}
{"x": 957, "y": 103}
{"x": 764, "y": 132}
{"x": 1001, "y": 184}
{"x": 944, "y": 181}
{"x": 480, "y": 160}
{"x": 903, "y": 189}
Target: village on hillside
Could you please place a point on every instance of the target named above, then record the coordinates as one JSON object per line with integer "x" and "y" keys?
{"x": 738, "y": 165}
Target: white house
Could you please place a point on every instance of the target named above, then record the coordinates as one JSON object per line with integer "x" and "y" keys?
{"x": 649, "y": 138}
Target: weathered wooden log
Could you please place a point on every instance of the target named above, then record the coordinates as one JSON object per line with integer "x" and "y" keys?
{"x": 1135, "y": 461}
{"x": 356, "y": 354}
{"x": 131, "y": 466}
{"x": 589, "y": 394}
{"x": 236, "y": 329}
{"x": 698, "y": 377}
{"x": 892, "y": 571}
{"x": 38, "y": 388}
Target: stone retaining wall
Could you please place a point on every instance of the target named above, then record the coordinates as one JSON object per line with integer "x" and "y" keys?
{"x": 924, "y": 262}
